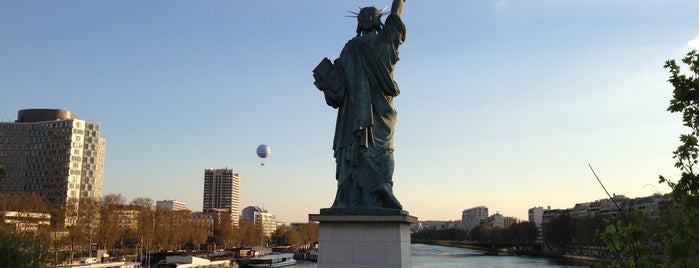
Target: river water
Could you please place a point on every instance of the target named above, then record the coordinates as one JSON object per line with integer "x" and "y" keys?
{"x": 424, "y": 256}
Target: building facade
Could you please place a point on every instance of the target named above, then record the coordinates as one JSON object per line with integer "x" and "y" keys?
{"x": 25, "y": 221}
{"x": 52, "y": 153}
{"x": 474, "y": 217}
{"x": 171, "y": 205}
{"x": 267, "y": 221}
{"x": 205, "y": 220}
{"x": 496, "y": 220}
{"x": 249, "y": 212}
{"x": 653, "y": 206}
{"x": 127, "y": 217}
{"x": 222, "y": 192}
{"x": 536, "y": 216}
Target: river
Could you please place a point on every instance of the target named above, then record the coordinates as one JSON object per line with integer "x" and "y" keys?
{"x": 440, "y": 256}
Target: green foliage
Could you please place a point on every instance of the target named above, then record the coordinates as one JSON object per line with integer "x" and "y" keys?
{"x": 681, "y": 249}
{"x": 630, "y": 242}
{"x": 681, "y": 238}
{"x": 21, "y": 251}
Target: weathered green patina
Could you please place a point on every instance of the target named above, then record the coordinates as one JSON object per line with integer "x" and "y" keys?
{"x": 360, "y": 85}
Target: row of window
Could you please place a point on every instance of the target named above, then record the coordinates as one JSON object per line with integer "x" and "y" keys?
{"x": 72, "y": 193}
{"x": 43, "y": 132}
{"x": 57, "y": 124}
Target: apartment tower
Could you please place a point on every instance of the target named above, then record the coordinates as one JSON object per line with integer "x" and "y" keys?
{"x": 474, "y": 217}
{"x": 53, "y": 153}
{"x": 222, "y": 192}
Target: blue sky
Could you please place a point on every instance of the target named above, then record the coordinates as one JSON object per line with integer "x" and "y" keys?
{"x": 503, "y": 103}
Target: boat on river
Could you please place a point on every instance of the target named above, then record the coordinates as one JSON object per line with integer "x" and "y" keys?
{"x": 269, "y": 260}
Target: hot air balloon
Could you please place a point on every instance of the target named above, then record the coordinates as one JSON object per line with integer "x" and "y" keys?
{"x": 263, "y": 152}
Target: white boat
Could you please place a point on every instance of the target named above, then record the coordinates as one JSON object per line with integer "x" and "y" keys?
{"x": 271, "y": 260}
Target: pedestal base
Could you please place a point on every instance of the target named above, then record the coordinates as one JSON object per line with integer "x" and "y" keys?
{"x": 380, "y": 241}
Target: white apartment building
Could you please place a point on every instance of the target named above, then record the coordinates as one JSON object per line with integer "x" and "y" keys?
{"x": 267, "y": 221}
{"x": 171, "y": 205}
{"x": 473, "y": 217}
{"x": 536, "y": 216}
{"x": 52, "y": 153}
{"x": 496, "y": 220}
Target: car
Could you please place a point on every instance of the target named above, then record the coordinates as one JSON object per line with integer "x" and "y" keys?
{"x": 89, "y": 260}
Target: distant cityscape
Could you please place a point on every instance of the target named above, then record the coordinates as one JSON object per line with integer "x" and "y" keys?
{"x": 652, "y": 206}
{"x": 57, "y": 155}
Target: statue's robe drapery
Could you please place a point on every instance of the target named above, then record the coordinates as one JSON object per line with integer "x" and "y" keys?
{"x": 363, "y": 142}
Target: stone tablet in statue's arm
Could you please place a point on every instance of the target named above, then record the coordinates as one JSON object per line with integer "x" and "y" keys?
{"x": 330, "y": 79}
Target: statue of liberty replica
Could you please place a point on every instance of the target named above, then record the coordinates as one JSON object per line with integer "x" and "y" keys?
{"x": 360, "y": 85}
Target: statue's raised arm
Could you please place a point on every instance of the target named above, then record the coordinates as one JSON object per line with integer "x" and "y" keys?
{"x": 397, "y": 7}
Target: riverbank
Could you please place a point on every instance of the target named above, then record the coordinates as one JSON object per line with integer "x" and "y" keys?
{"x": 535, "y": 250}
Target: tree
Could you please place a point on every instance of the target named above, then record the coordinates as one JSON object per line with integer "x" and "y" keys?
{"x": 146, "y": 222}
{"x": 309, "y": 233}
{"x": 197, "y": 234}
{"x": 225, "y": 233}
{"x": 584, "y": 229}
{"x": 558, "y": 230}
{"x": 84, "y": 231}
{"x": 522, "y": 232}
{"x": 247, "y": 233}
{"x": 681, "y": 247}
{"x": 627, "y": 239}
{"x": 172, "y": 228}
{"x": 21, "y": 250}
{"x": 109, "y": 220}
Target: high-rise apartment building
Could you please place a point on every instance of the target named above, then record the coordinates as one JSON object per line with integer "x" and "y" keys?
{"x": 222, "y": 192}
{"x": 473, "y": 217}
{"x": 53, "y": 153}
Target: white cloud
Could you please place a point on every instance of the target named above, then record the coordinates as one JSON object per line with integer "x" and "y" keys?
{"x": 694, "y": 43}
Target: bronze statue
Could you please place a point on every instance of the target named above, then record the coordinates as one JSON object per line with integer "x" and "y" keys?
{"x": 360, "y": 85}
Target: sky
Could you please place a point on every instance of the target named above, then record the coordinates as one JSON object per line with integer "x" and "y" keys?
{"x": 503, "y": 103}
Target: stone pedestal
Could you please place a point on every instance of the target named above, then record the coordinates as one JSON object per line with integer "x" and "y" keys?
{"x": 380, "y": 241}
